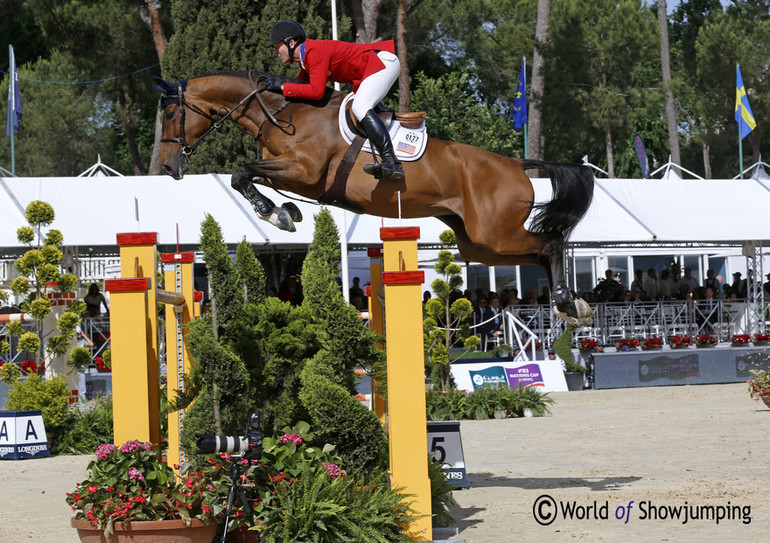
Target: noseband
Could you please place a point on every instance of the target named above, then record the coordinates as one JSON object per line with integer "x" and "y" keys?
{"x": 216, "y": 122}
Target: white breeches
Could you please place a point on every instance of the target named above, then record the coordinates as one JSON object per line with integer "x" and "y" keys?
{"x": 374, "y": 87}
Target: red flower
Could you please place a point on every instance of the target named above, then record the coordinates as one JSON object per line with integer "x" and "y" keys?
{"x": 92, "y": 488}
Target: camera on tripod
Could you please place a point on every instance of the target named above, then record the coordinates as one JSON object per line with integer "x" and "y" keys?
{"x": 249, "y": 446}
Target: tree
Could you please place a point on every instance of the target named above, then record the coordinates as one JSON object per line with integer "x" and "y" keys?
{"x": 665, "y": 64}
{"x": 38, "y": 270}
{"x": 447, "y": 313}
{"x": 535, "y": 142}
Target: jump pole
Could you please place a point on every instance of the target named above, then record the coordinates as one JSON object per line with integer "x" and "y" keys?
{"x": 376, "y": 318}
{"x": 178, "y": 278}
{"x": 134, "y": 340}
{"x": 407, "y": 425}
{"x": 134, "y": 337}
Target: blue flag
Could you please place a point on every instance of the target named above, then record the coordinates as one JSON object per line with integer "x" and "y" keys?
{"x": 14, "y": 100}
{"x": 519, "y": 112}
{"x": 743, "y": 114}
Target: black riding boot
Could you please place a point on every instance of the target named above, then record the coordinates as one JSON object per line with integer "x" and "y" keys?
{"x": 379, "y": 137}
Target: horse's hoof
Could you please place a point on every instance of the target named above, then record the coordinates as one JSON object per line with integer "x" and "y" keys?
{"x": 293, "y": 211}
{"x": 284, "y": 222}
{"x": 578, "y": 313}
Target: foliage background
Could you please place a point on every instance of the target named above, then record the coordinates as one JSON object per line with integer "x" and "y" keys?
{"x": 603, "y": 77}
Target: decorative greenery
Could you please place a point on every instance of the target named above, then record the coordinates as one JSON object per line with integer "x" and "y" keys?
{"x": 760, "y": 339}
{"x": 650, "y": 343}
{"x": 703, "y": 340}
{"x": 131, "y": 483}
{"x": 679, "y": 342}
{"x": 87, "y": 424}
{"x": 50, "y": 396}
{"x": 324, "y": 507}
{"x": 587, "y": 345}
{"x": 441, "y": 493}
{"x": 487, "y": 402}
{"x": 759, "y": 382}
{"x": 447, "y": 313}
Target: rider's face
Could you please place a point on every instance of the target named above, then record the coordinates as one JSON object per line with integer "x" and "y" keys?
{"x": 282, "y": 51}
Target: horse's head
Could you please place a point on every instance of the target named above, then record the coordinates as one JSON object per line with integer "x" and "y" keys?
{"x": 181, "y": 132}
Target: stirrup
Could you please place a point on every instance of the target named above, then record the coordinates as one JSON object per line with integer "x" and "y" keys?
{"x": 393, "y": 170}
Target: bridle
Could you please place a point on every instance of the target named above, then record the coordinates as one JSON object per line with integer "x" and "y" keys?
{"x": 216, "y": 122}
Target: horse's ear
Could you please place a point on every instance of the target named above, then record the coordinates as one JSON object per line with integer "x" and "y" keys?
{"x": 163, "y": 86}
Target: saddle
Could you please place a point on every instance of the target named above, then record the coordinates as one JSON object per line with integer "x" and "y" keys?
{"x": 407, "y": 131}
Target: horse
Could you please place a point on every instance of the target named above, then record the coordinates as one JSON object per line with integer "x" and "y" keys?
{"x": 485, "y": 198}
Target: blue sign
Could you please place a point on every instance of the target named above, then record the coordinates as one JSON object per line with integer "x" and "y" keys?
{"x": 22, "y": 435}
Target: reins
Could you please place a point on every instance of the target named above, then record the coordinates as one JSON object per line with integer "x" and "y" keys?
{"x": 286, "y": 127}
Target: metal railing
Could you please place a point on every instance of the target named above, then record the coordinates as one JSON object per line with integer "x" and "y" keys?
{"x": 614, "y": 321}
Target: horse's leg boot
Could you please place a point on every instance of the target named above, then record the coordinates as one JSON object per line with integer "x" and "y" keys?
{"x": 379, "y": 137}
{"x": 261, "y": 203}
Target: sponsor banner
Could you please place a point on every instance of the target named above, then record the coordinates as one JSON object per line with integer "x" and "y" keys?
{"x": 472, "y": 374}
{"x": 22, "y": 435}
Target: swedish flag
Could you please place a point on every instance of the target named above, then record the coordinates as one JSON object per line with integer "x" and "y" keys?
{"x": 743, "y": 114}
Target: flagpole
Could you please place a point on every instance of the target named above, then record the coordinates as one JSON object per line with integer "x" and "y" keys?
{"x": 12, "y": 97}
{"x": 524, "y": 60}
{"x": 740, "y": 139}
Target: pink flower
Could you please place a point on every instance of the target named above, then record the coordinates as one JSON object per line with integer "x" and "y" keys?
{"x": 134, "y": 473}
{"x": 131, "y": 446}
{"x": 333, "y": 469}
{"x": 296, "y": 438}
{"x": 104, "y": 450}
{"x": 92, "y": 488}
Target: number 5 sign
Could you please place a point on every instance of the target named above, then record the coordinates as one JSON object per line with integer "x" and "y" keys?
{"x": 447, "y": 447}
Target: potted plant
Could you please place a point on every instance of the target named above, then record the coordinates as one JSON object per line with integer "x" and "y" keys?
{"x": 679, "y": 342}
{"x": 759, "y": 386}
{"x": 761, "y": 339}
{"x": 575, "y": 375}
{"x": 740, "y": 340}
{"x": 130, "y": 495}
{"x": 705, "y": 340}
{"x": 502, "y": 350}
{"x": 627, "y": 344}
{"x": 651, "y": 343}
{"x": 587, "y": 345}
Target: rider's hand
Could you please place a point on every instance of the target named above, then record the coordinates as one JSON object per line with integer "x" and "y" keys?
{"x": 273, "y": 84}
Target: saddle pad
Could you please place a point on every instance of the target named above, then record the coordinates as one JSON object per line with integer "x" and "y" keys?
{"x": 409, "y": 143}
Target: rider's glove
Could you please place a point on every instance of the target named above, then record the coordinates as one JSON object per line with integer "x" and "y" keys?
{"x": 273, "y": 84}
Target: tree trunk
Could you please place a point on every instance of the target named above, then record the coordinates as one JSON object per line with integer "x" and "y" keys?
{"x": 404, "y": 98}
{"x": 665, "y": 63}
{"x": 535, "y": 118}
{"x": 365, "y": 14}
{"x": 149, "y": 11}
{"x": 706, "y": 160}
{"x": 128, "y": 121}
{"x": 610, "y": 156}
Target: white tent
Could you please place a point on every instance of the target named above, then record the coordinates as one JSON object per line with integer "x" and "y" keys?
{"x": 625, "y": 212}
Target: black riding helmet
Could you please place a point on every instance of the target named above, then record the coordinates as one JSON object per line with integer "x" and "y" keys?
{"x": 287, "y": 30}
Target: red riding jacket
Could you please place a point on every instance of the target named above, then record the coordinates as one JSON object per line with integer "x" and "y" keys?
{"x": 329, "y": 60}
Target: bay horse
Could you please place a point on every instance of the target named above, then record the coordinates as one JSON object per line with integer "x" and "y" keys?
{"x": 483, "y": 197}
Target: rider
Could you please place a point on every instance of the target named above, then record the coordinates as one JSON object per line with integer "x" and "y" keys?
{"x": 371, "y": 68}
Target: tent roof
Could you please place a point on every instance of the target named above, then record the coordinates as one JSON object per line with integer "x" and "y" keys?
{"x": 91, "y": 210}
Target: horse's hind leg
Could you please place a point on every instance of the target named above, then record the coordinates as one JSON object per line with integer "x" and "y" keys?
{"x": 282, "y": 217}
{"x": 574, "y": 311}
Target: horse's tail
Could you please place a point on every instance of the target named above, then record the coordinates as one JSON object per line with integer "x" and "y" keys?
{"x": 573, "y": 190}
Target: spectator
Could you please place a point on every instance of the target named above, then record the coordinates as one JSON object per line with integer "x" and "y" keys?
{"x": 689, "y": 280}
{"x": 494, "y": 312}
{"x": 552, "y": 356}
{"x": 666, "y": 287}
{"x": 545, "y": 297}
{"x": 94, "y": 301}
{"x": 650, "y": 284}
{"x": 356, "y": 289}
{"x": 739, "y": 286}
{"x": 638, "y": 280}
{"x": 608, "y": 289}
{"x": 425, "y": 297}
{"x": 478, "y": 318}
{"x": 82, "y": 338}
{"x": 711, "y": 281}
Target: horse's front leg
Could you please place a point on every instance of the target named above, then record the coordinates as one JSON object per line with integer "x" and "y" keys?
{"x": 282, "y": 217}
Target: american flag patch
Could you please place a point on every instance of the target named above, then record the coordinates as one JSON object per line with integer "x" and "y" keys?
{"x": 406, "y": 148}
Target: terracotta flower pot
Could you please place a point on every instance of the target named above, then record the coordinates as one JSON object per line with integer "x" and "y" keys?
{"x": 765, "y": 396}
{"x": 148, "y": 531}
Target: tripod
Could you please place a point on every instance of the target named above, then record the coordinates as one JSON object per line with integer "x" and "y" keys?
{"x": 236, "y": 489}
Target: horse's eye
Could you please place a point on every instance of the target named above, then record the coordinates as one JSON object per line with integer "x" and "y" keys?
{"x": 170, "y": 115}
